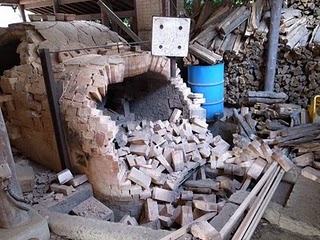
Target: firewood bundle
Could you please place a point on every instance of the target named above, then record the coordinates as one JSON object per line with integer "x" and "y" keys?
{"x": 240, "y": 35}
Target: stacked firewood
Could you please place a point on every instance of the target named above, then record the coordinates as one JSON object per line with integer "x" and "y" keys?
{"x": 240, "y": 35}
{"x": 309, "y": 8}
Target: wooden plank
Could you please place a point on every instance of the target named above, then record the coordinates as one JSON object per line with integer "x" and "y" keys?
{"x": 246, "y": 184}
{"x": 238, "y": 213}
{"x": 254, "y": 208}
{"x": 94, "y": 16}
{"x": 268, "y": 94}
{"x": 46, "y": 3}
{"x": 283, "y": 160}
{"x": 205, "y": 231}
{"x": 304, "y": 160}
{"x": 204, "y": 54}
{"x": 228, "y": 28}
{"x": 186, "y": 228}
{"x": 264, "y": 206}
{"x": 243, "y": 123}
{"x": 311, "y": 173}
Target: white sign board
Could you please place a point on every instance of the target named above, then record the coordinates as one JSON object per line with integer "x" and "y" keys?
{"x": 170, "y": 36}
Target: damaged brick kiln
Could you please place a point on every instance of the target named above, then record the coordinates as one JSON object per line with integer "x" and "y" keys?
{"x": 100, "y": 90}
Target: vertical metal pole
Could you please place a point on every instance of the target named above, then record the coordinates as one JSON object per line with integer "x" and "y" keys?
{"x": 273, "y": 40}
{"x": 173, "y": 67}
{"x": 51, "y": 89}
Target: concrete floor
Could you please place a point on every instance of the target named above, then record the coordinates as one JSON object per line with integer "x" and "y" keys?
{"x": 266, "y": 231}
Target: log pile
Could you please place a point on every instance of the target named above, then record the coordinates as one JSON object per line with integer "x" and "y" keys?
{"x": 239, "y": 34}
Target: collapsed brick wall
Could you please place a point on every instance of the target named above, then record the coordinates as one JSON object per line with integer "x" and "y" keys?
{"x": 83, "y": 77}
{"x": 27, "y": 115}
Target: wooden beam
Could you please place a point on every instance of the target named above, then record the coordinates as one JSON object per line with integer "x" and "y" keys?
{"x": 118, "y": 21}
{"x": 125, "y": 14}
{"x": 238, "y": 213}
{"x": 196, "y": 6}
{"x": 22, "y": 12}
{"x": 27, "y": 2}
{"x": 39, "y": 4}
{"x": 255, "y": 207}
{"x": 263, "y": 206}
{"x": 63, "y": 2}
{"x": 56, "y": 6}
{"x": 185, "y": 229}
{"x": 9, "y": 1}
{"x": 94, "y": 16}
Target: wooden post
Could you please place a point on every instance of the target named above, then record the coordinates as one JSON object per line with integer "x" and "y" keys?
{"x": 273, "y": 40}
{"x": 22, "y": 12}
{"x": 10, "y": 215}
{"x": 118, "y": 21}
{"x": 56, "y": 6}
{"x": 104, "y": 19}
{"x": 196, "y": 6}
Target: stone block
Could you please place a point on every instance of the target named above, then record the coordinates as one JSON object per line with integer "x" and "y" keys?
{"x": 78, "y": 180}
{"x": 177, "y": 160}
{"x": 93, "y": 208}
{"x": 64, "y": 176}
{"x": 57, "y": 188}
{"x": 163, "y": 195}
{"x": 26, "y": 177}
{"x": 151, "y": 210}
{"x": 139, "y": 178}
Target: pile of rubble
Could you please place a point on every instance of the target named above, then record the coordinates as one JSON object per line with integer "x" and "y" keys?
{"x": 193, "y": 181}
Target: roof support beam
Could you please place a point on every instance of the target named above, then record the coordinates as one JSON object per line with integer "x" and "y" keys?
{"x": 118, "y": 21}
{"x": 56, "y": 6}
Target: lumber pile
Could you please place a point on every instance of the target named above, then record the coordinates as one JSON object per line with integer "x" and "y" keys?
{"x": 285, "y": 148}
{"x": 285, "y": 126}
{"x": 239, "y": 35}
